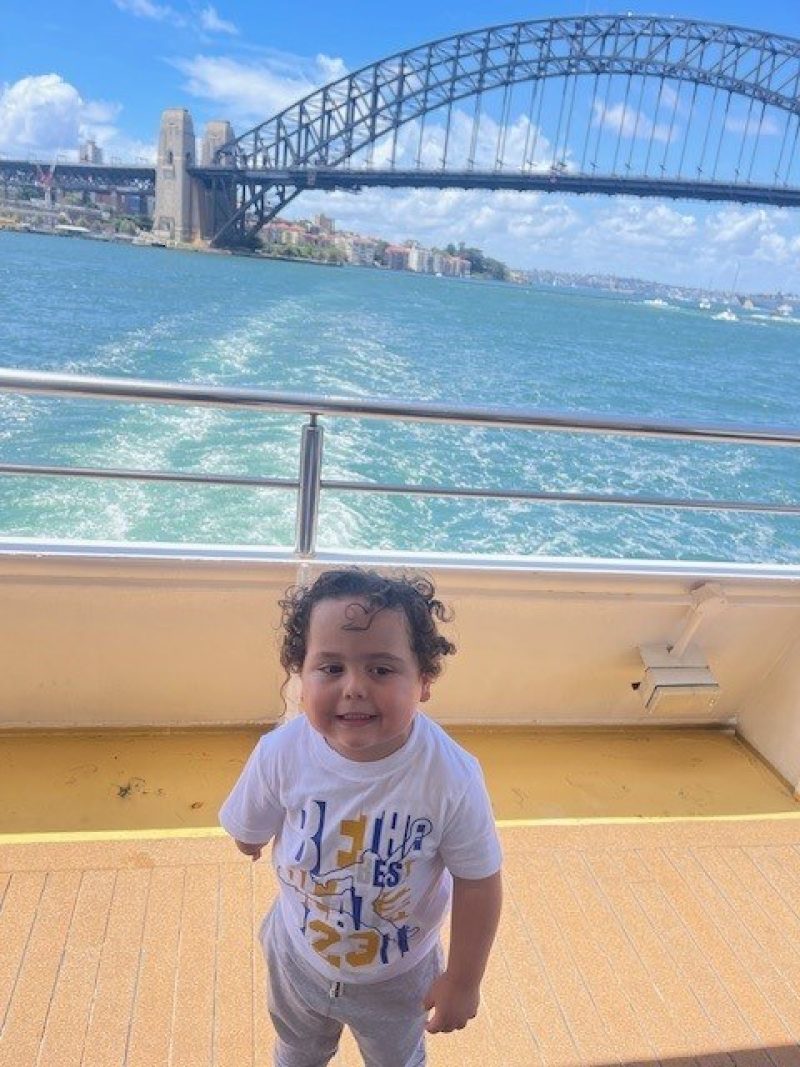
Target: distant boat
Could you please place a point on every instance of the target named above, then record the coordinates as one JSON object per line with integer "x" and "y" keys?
{"x": 726, "y": 316}
{"x": 704, "y": 304}
{"x": 784, "y": 309}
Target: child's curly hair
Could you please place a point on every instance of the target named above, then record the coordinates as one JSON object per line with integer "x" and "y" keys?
{"x": 414, "y": 594}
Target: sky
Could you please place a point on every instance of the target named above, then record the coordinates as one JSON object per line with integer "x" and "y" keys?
{"x": 106, "y": 69}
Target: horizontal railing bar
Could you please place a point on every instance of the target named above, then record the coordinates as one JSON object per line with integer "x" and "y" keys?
{"x": 566, "y": 498}
{"x": 36, "y": 470}
{"x": 142, "y": 391}
{"x": 247, "y": 481}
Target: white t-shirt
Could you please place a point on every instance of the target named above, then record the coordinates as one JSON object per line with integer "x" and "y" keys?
{"x": 364, "y": 851}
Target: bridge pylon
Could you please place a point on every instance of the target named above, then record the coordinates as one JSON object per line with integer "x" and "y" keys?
{"x": 216, "y": 199}
{"x": 175, "y": 213}
{"x": 188, "y": 209}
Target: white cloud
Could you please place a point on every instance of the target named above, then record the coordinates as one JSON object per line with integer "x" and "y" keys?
{"x": 100, "y": 111}
{"x": 248, "y": 93}
{"x": 146, "y": 9}
{"x": 644, "y": 225}
{"x": 752, "y": 126}
{"x": 630, "y": 123}
{"x": 39, "y": 114}
{"x": 461, "y": 151}
{"x": 773, "y": 248}
{"x": 212, "y": 23}
{"x": 515, "y": 226}
{"x": 538, "y": 221}
{"x": 756, "y": 234}
{"x": 738, "y": 228}
{"x": 45, "y": 116}
{"x": 331, "y": 68}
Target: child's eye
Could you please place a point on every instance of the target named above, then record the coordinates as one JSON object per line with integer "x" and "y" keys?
{"x": 382, "y": 671}
{"x": 330, "y": 668}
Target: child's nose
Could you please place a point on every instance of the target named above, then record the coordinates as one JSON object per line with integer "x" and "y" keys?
{"x": 353, "y": 686}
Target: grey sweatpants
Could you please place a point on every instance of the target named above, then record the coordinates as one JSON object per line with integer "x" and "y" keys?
{"x": 386, "y": 1018}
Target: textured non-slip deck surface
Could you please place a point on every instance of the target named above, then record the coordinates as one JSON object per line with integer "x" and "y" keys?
{"x": 631, "y": 943}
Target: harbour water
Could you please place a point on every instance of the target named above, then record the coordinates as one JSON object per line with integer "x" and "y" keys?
{"x": 94, "y": 308}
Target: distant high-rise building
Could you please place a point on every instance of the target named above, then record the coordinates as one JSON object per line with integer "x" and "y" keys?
{"x": 90, "y": 153}
{"x": 324, "y": 224}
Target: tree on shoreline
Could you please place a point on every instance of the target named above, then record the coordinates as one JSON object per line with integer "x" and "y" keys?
{"x": 480, "y": 264}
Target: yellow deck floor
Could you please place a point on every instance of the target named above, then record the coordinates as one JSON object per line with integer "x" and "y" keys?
{"x": 632, "y": 936}
{"x": 68, "y": 782}
{"x": 636, "y": 944}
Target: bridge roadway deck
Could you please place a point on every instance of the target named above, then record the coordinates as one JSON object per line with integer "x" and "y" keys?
{"x": 625, "y": 941}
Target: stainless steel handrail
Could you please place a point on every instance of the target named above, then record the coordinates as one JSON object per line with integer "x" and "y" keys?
{"x": 310, "y": 482}
{"x": 139, "y": 390}
{"x": 126, "y": 474}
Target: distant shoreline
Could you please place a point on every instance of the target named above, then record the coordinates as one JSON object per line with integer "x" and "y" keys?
{"x": 283, "y": 259}
{"x": 626, "y": 287}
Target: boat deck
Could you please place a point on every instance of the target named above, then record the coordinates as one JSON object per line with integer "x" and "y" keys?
{"x": 118, "y": 780}
{"x": 621, "y": 943}
{"x": 649, "y": 940}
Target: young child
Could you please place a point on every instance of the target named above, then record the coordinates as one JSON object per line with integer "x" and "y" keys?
{"x": 377, "y": 819}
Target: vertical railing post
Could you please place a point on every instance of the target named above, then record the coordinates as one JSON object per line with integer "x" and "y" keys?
{"x": 309, "y": 489}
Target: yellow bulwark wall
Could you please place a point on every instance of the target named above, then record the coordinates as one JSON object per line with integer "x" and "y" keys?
{"x": 97, "y": 639}
{"x": 120, "y": 781}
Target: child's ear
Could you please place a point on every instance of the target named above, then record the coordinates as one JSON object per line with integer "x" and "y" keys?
{"x": 427, "y": 682}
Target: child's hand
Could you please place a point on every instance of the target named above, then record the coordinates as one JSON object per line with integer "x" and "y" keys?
{"x": 453, "y": 1005}
{"x": 254, "y": 851}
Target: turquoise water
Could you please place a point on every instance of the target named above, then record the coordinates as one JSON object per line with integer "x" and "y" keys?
{"x": 93, "y": 308}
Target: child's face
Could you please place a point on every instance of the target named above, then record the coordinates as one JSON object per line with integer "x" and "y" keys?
{"x": 361, "y": 682}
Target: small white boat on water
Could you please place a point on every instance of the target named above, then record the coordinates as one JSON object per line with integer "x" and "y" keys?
{"x": 726, "y": 316}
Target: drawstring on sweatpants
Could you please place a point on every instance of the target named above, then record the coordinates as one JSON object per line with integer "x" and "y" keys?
{"x": 336, "y": 990}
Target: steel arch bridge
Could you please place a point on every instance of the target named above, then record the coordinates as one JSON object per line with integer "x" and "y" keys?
{"x": 622, "y": 104}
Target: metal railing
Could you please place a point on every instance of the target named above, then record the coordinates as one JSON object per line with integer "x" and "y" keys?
{"x": 310, "y": 483}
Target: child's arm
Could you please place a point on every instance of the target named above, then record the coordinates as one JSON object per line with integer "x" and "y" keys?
{"x": 455, "y": 994}
{"x": 254, "y": 851}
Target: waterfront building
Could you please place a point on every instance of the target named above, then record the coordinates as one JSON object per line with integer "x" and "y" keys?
{"x": 419, "y": 259}
{"x": 90, "y": 153}
{"x": 453, "y": 266}
{"x": 276, "y": 233}
{"x": 294, "y": 235}
{"x": 324, "y": 224}
{"x": 358, "y": 250}
{"x": 396, "y": 257}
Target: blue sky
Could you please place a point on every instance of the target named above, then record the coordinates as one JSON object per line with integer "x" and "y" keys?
{"x": 107, "y": 68}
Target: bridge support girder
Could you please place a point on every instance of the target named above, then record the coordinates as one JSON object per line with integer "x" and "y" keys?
{"x": 242, "y": 209}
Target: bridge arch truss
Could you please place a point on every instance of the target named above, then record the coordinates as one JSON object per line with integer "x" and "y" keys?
{"x": 616, "y": 104}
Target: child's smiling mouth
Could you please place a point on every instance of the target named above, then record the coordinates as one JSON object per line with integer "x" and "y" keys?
{"x": 357, "y": 718}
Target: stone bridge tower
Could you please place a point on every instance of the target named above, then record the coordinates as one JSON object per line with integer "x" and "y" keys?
{"x": 218, "y": 132}
{"x": 184, "y": 206}
{"x": 174, "y": 185}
